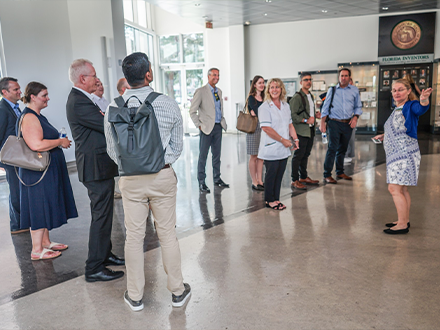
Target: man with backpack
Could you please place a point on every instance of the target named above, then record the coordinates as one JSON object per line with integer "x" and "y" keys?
{"x": 343, "y": 108}
{"x": 144, "y": 133}
{"x": 302, "y": 107}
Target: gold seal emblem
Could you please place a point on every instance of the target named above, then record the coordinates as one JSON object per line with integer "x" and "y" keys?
{"x": 406, "y": 34}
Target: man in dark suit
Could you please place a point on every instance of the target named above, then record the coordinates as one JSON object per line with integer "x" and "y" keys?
{"x": 95, "y": 168}
{"x": 9, "y": 112}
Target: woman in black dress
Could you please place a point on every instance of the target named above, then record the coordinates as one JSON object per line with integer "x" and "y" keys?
{"x": 49, "y": 203}
{"x": 255, "y": 99}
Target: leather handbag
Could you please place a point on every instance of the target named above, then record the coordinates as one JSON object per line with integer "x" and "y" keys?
{"x": 15, "y": 152}
{"x": 246, "y": 122}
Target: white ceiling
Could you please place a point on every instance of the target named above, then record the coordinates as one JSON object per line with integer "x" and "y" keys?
{"x": 226, "y": 12}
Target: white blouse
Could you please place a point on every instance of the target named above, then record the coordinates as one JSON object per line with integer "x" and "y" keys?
{"x": 279, "y": 119}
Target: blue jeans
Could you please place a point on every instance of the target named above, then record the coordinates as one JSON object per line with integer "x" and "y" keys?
{"x": 339, "y": 135}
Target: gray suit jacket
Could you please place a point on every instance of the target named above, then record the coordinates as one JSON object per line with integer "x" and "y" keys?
{"x": 202, "y": 109}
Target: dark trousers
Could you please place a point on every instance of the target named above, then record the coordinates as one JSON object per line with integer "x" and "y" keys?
{"x": 213, "y": 141}
{"x": 272, "y": 181}
{"x": 14, "y": 196}
{"x": 301, "y": 156}
{"x": 101, "y": 194}
{"x": 339, "y": 135}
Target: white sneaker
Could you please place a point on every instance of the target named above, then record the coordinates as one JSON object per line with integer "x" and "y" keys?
{"x": 347, "y": 160}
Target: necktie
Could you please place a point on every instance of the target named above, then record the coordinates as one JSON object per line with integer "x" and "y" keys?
{"x": 17, "y": 110}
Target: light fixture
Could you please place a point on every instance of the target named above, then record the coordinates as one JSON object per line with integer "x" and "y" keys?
{"x": 205, "y": 17}
{"x": 265, "y": 14}
{"x": 384, "y": 8}
{"x": 197, "y": 4}
{"x": 324, "y": 11}
{"x": 268, "y": 0}
{"x": 247, "y": 23}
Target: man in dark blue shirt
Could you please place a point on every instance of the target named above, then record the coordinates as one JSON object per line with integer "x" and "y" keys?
{"x": 343, "y": 116}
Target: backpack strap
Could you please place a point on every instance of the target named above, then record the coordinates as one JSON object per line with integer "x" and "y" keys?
{"x": 119, "y": 101}
{"x": 303, "y": 102}
{"x": 331, "y": 101}
{"x": 152, "y": 96}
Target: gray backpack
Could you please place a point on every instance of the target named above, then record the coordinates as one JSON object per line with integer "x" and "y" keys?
{"x": 138, "y": 145}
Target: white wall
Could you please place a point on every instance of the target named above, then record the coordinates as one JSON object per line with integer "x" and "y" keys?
{"x": 282, "y": 49}
{"x": 166, "y": 23}
{"x": 41, "y": 39}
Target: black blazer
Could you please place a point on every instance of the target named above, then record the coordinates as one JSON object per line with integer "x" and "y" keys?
{"x": 8, "y": 119}
{"x": 86, "y": 122}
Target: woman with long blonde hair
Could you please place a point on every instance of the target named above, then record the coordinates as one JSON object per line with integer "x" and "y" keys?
{"x": 275, "y": 144}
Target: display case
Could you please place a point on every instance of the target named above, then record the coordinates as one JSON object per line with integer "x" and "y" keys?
{"x": 435, "y": 98}
{"x": 321, "y": 82}
{"x": 365, "y": 77}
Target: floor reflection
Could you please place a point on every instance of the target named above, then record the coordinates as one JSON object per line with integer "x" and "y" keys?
{"x": 20, "y": 276}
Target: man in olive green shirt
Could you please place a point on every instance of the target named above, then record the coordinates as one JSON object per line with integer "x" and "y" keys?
{"x": 302, "y": 107}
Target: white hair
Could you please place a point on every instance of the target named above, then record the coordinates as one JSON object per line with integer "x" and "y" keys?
{"x": 77, "y": 68}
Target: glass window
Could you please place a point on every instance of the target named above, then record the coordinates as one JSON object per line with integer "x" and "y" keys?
{"x": 128, "y": 10}
{"x": 194, "y": 80}
{"x": 129, "y": 39}
{"x": 173, "y": 86}
{"x": 169, "y": 49}
{"x": 193, "y": 50}
{"x": 142, "y": 13}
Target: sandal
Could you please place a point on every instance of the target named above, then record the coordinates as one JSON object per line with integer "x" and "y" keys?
{"x": 41, "y": 256}
{"x": 282, "y": 206}
{"x": 56, "y": 246}
{"x": 275, "y": 207}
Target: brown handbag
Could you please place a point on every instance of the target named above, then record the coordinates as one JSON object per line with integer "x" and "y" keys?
{"x": 246, "y": 122}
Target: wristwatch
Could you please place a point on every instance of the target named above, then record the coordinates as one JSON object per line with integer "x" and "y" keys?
{"x": 305, "y": 120}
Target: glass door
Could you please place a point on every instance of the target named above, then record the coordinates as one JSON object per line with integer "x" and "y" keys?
{"x": 180, "y": 85}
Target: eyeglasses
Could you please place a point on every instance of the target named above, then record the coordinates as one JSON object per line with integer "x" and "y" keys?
{"x": 89, "y": 75}
{"x": 308, "y": 79}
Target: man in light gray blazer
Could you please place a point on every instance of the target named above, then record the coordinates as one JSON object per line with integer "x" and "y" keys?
{"x": 207, "y": 114}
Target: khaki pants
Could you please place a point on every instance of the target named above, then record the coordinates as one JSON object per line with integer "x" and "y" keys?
{"x": 138, "y": 193}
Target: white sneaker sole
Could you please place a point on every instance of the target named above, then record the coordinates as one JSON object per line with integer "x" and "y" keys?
{"x": 134, "y": 308}
{"x": 181, "y": 303}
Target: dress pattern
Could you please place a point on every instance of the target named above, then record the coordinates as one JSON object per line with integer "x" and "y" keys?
{"x": 402, "y": 151}
{"x": 49, "y": 203}
{"x": 253, "y": 139}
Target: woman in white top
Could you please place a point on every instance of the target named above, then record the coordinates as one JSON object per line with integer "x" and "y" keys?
{"x": 276, "y": 123}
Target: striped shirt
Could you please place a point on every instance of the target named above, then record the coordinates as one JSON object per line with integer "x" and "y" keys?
{"x": 169, "y": 119}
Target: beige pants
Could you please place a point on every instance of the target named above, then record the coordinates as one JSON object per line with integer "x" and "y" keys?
{"x": 138, "y": 193}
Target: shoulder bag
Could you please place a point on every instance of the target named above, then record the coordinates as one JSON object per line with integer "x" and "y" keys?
{"x": 15, "y": 152}
{"x": 246, "y": 122}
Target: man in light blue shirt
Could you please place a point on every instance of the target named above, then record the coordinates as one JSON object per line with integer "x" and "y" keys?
{"x": 343, "y": 114}
{"x": 207, "y": 114}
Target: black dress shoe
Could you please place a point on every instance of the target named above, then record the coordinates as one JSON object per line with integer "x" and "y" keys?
{"x": 220, "y": 183}
{"x": 114, "y": 261}
{"x": 261, "y": 186}
{"x": 390, "y": 224}
{"x": 204, "y": 188}
{"x": 396, "y": 232}
{"x": 104, "y": 275}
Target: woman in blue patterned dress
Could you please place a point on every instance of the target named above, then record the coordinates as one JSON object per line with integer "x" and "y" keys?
{"x": 255, "y": 99}
{"x": 49, "y": 203}
{"x": 402, "y": 150}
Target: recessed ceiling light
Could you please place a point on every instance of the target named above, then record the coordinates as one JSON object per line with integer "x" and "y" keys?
{"x": 197, "y": 4}
{"x": 384, "y": 8}
{"x": 265, "y": 14}
{"x": 247, "y": 23}
{"x": 324, "y": 11}
{"x": 268, "y": 0}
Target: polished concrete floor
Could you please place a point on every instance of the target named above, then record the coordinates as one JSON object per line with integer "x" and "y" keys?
{"x": 323, "y": 263}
